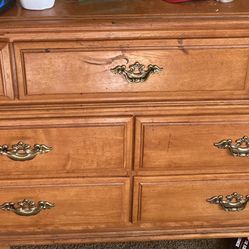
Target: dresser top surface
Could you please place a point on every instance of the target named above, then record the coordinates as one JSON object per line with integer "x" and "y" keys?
{"x": 130, "y": 13}
{"x": 117, "y": 8}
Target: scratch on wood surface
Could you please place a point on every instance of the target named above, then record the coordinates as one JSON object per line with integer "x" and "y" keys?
{"x": 169, "y": 142}
{"x": 107, "y": 61}
{"x": 68, "y": 162}
{"x": 181, "y": 46}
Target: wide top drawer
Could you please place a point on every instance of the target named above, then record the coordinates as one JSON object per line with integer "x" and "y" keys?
{"x": 133, "y": 70}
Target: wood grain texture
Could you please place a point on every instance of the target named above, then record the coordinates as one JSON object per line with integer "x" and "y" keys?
{"x": 181, "y": 202}
{"x": 82, "y": 70}
{"x": 80, "y": 146}
{"x": 4, "y": 247}
{"x": 137, "y": 18}
{"x": 129, "y": 162}
{"x": 80, "y": 204}
{"x": 137, "y": 7}
{"x": 6, "y": 84}
{"x": 185, "y": 144}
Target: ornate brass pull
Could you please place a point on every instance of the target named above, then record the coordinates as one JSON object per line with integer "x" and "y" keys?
{"x": 239, "y": 149}
{"x": 26, "y": 207}
{"x": 232, "y": 203}
{"x": 136, "y": 72}
{"x": 23, "y": 152}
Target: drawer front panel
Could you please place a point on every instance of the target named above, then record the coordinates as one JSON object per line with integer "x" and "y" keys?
{"x": 80, "y": 146}
{"x": 78, "y": 204}
{"x": 181, "y": 202}
{"x": 191, "y": 69}
{"x": 6, "y": 85}
{"x": 185, "y": 144}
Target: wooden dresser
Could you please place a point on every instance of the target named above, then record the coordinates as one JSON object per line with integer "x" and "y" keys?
{"x": 124, "y": 120}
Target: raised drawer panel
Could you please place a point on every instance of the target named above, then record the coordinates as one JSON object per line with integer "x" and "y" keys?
{"x": 80, "y": 146}
{"x": 181, "y": 202}
{"x": 81, "y": 71}
{"x": 6, "y": 85}
{"x": 78, "y": 205}
{"x": 185, "y": 144}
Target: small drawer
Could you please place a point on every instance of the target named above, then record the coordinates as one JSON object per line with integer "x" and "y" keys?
{"x": 189, "y": 202}
{"x": 65, "y": 147}
{"x": 190, "y": 144}
{"x": 63, "y": 205}
{"x": 133, "y": 70}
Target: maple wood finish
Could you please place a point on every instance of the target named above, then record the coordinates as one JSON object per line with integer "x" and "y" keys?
{"x": 74, "y": 70}
{"x": 125, "y": 161}
{"x": 185, "y": 144}
{"x": 158, "y": 198}
{"x": 79, "y": 204}
{"x": 80, "y": 146}
{"x": 6, "y": 85}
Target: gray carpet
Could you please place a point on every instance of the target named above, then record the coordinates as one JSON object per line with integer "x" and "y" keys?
{"x": 179, "y": 244}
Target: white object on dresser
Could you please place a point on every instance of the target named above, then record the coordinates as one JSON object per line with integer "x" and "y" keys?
{"x": 37, "y": 5}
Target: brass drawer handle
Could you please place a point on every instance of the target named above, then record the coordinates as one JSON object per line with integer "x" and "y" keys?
{"x": 23, "y": 152}
{"x": 234, "y": 202}
{"x": 239, "y": 149}
{"x": 136, "y": 72}
{"x": 26, "y": 207}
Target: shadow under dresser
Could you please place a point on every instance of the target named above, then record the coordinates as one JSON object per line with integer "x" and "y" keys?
{"x": 124, "y": 121}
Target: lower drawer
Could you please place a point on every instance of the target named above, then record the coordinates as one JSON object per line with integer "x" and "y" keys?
{"x": 71, "y": 205}
{"x": 182, "y": 202}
